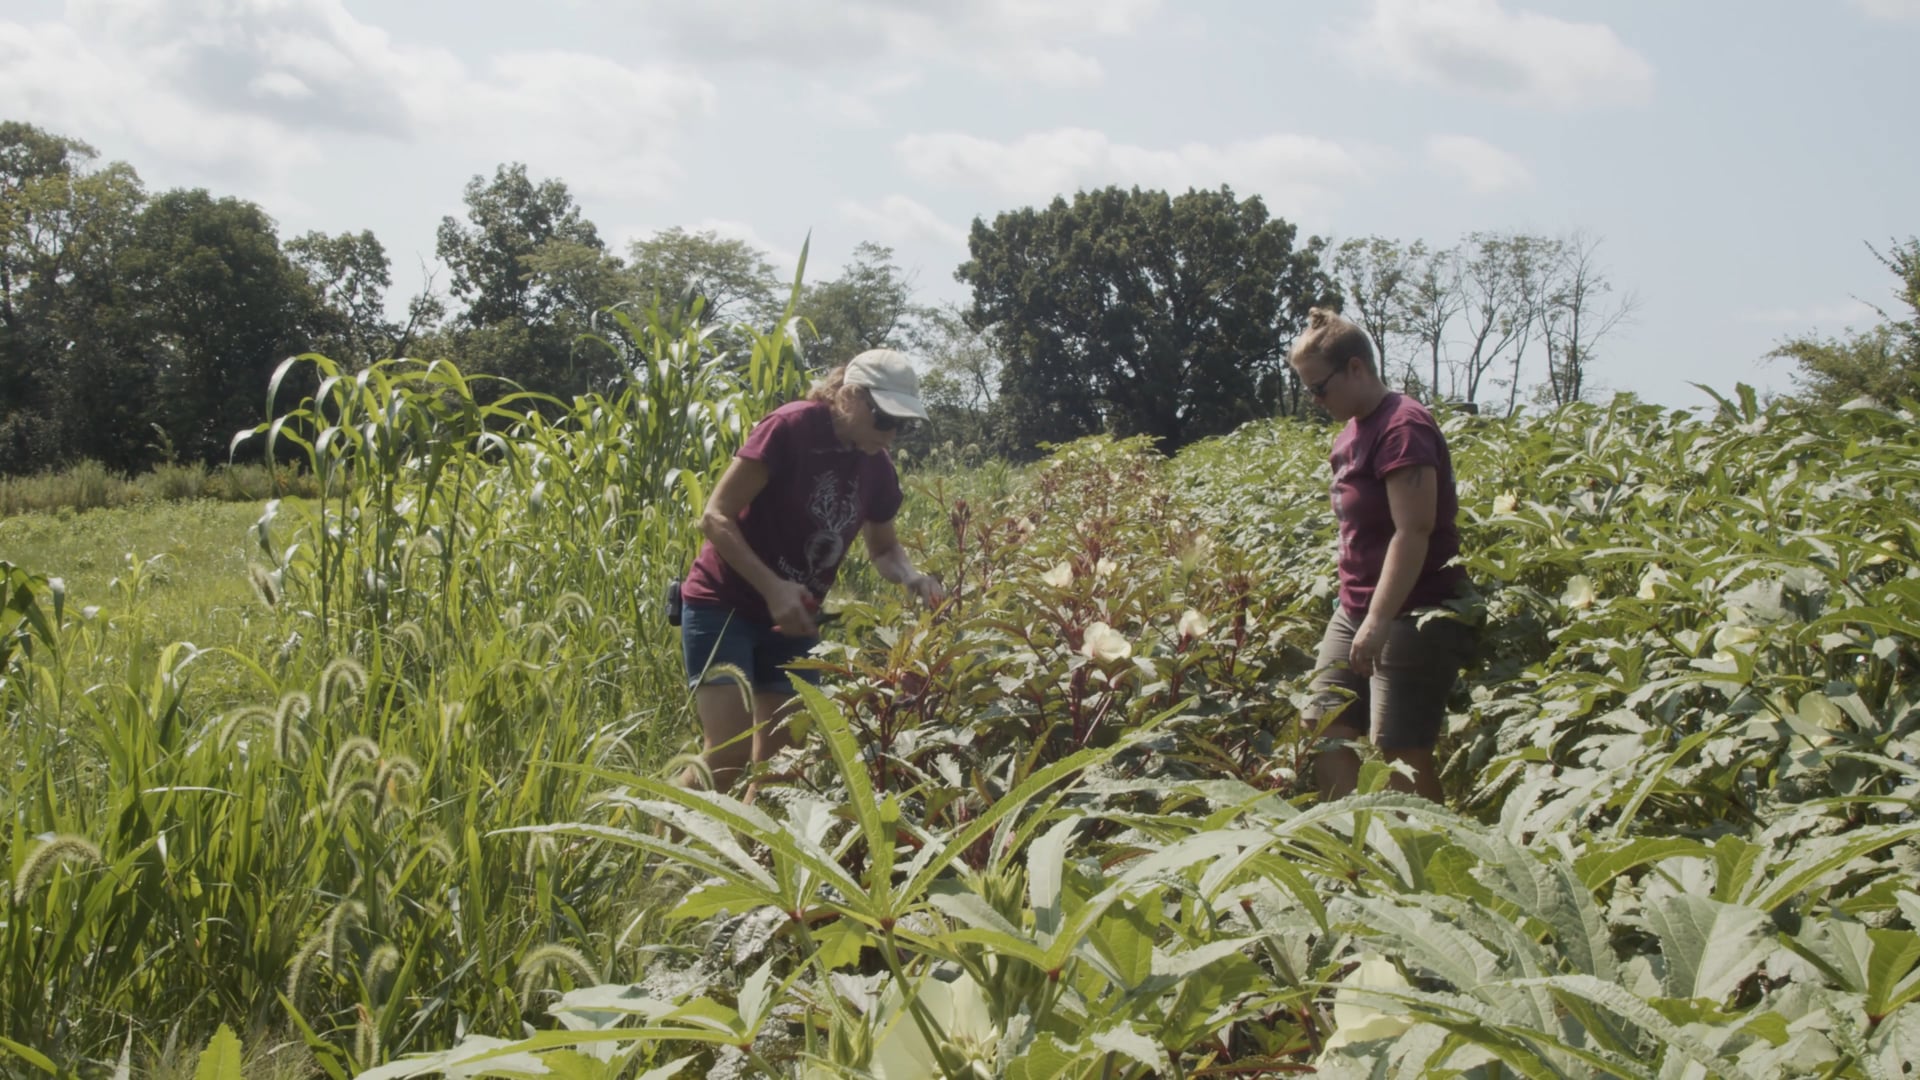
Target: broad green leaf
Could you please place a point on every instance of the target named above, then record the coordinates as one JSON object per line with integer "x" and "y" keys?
{"x": 1126, "y": 1041}
{"x": 1709, "y": 946}
{"x": 1617, "y": 1000}
{"x": 1125, "y": 939}
{"x": 1892, "y": 978}
{"x": 221, "y": 1059}
{"x": 29, "y": 1055}
{"x": 1046, "y": 867}
{"x": 1605, "y": 860}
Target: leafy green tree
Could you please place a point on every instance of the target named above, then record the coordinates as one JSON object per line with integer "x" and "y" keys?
{"x": 869, "y": 306}
{"x": 961, "y": 385}
{"x": 350, "y": 274}
{"x": 1882, "y": 362}
{"x": 225, "y": 306}
{"x": 531, "y": 271}
{"x": 1139, "y": 313}
{"x": 733, "y": 278}
{"x": 1373, "y": 274}
{"x": 73, "y": 380}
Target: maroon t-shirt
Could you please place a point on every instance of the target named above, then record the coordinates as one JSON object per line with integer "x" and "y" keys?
{"x": 819, "y": 493}
{"x": 1397, "y": 434}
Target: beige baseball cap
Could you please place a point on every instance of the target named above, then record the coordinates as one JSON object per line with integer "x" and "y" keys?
{"x": 890, "y": 378}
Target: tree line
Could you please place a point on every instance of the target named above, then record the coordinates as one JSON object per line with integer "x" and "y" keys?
{"x": 139, "y": 327}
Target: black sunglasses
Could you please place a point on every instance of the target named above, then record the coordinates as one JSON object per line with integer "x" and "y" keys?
{"x": 1319, "y": 389}
{"x": 884, "y": 420}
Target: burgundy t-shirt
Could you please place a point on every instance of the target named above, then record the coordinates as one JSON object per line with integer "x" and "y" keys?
{"x": 819, "y": 493}
{"x": 1397, "y": 434}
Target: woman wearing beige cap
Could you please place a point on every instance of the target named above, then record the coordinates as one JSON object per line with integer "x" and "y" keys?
{"x": 813, "y": 474}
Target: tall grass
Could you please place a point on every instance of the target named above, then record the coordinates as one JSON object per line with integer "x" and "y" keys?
{"x": 464, "y": 613}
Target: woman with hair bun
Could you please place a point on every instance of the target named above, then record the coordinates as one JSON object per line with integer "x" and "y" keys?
{"x": 1395, "y": 644}
{"x": 813, "y": 475}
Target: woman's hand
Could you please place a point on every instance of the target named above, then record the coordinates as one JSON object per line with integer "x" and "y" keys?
{"x": 792, "y": 604}
{"x": 926, "y": 587}
{"x": 1369, "y": 641}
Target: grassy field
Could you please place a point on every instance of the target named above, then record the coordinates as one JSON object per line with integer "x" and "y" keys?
{"x": 1056, "y": 828}
{"x": 180, "y": 568}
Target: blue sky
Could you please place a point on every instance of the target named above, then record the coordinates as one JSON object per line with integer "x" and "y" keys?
{"x": 1733, "y": 157}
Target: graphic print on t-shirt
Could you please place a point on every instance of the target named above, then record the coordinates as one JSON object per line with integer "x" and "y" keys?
{"x": 834, "y": 517}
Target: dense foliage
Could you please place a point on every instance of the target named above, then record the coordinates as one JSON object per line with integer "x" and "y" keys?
{"x": 1136, "y": 313}
{"x": 1054, "y": 828}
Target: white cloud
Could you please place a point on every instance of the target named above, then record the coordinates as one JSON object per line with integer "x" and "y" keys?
{"x": 898, "y": 221}
{"x": 855, "y": 106}
{"x": 252, "y": 88}
{"x": 1522, "y": 57}
{"x": 1291, "y": 172}
{"x": 1025, "y": 39}
{"x": 1485, "y": 168}
{"x": 1890, "y": 9}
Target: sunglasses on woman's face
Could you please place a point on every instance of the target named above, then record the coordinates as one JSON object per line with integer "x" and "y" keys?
{"x": 883, "y": 420}
{"x": 1319, "y": 389}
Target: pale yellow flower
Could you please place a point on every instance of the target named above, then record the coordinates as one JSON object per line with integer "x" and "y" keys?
{"x": 1104, "y": 643}
{"x": 1193, "y": 624}
{"x": 1060, "y": 576}
{"x": 1652, "y": 582}
{"x": 961, "y": 1018}
{"x": 1357, "y": 1017}
{"x": 1506, "y": 503}
{"x": 1579, "y": 593}
{"x": 1103, "y": 567}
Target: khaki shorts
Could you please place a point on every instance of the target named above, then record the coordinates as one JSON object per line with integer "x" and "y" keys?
{"x": 1405, "y": 701}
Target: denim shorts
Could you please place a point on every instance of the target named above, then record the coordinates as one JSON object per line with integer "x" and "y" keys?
{"x": 712, "y": 635}
{"x": 1403, "y": 705}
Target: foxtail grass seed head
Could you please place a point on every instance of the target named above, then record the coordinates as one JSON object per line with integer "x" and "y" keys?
{"x": 549, "y": 960}
{"x": 410, "y": 636}
{"x": 437, "y": 848}
{"x": 541, "y": 852}
{"x": 366, "y": 1038}
{"x": 611, "y": 751}
{"x": 349, "y": 916}
{"x": 718, "y": 674}
{"x": 399, "y": 767}
{"x": 62, "y": 850}
{"x": 363, "y": 788}
{"x": 381, "y": 963}
{"x": 679, "y": 763}
{"x": 240, "y": 719}
{"x": 302, "y": 966}
{"x": 572, "y": 603}
{"x": 293, "y": 709}
{"x": 341, "y": 683}
{"x": 451, "y": 713}
{"x": 266, "y": 584}
{"x": 351, "y": 752}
